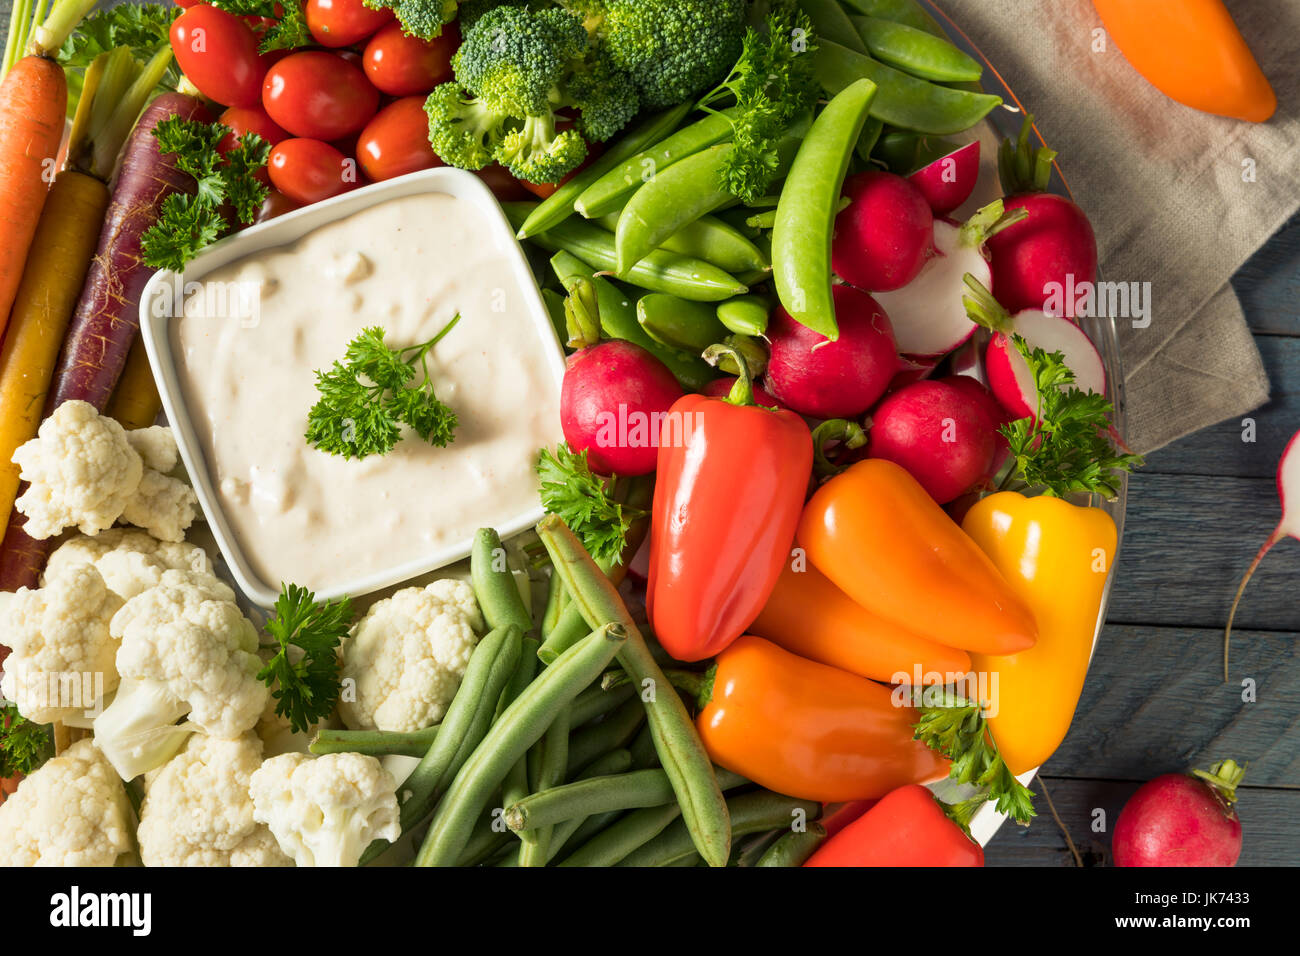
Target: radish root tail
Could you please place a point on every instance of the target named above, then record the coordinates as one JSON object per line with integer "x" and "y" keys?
{"x": 1273, "y": 539}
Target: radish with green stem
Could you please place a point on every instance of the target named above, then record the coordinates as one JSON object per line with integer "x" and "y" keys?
{"x": 927, "y": 314}
{"x": 1288, "y": 478}
{"x": 1182, "y": 819}
{"x": 1008, "y": 373}
{"x": 949, "y": 181}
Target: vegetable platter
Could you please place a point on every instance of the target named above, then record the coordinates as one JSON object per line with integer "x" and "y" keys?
{"x": 594, "y": 402}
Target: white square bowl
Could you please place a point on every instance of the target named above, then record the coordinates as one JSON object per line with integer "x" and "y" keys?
{"x": 286, "y": 229}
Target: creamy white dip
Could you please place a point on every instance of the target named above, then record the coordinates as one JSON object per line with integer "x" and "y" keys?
{"x": 409, "y": 265}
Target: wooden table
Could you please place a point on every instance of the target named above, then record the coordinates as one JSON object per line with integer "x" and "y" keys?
{"x": 1155, "y": 700}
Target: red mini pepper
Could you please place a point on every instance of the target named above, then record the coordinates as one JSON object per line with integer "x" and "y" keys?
{"x": 906, "y": 828}
{"x": 729, "y": 488}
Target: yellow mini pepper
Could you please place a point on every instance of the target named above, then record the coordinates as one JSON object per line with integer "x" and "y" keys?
{"x": 1056, "y": 557}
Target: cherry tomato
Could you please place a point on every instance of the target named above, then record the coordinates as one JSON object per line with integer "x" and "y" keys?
{"x": 186, "y": 4}
{"x": 343, "y": 22}
{"x": 275, "y": 204}
{"x": 401, "y": 65}
{"x": 218, "y": 52}
{"x": 318, "y": 95}
{"x": 503, "y": 185}
{"x": 248, "y": 119}
{"x": 396, "y": 141}
{"x": 308, "y": 170}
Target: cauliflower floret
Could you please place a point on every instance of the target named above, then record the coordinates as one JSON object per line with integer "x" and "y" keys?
{"x": 186, "y": 649}
{"x": 325, "y": 811}
{"x": 198, "y": 810}
{"x": 82, "y": 472}
{"x": 407, "y": 657}
{"x": 62, "y": 659}
{"x": 130, "y": 560}
{"x": 87, "y": 471}
{"x": 71, "y": 812}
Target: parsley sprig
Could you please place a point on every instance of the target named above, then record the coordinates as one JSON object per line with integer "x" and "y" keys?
{"x": 305, "y": 681}
{"x": 287, "y": 32}
{"x": 187, "y": 224}
{"x": 959, "y": 731}
{"x": 24, "y": 745}
{"x": 367, "y": 397}
{"x": 1066, "y": 446}
{"x": 586, "y": 501}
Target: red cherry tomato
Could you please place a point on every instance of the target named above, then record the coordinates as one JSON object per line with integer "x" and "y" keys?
{"x": 401, "y": 65}
{"x": 218, "y": 52}
{"x": 308, "y": 170}
{"x": 318, "y": 95}
{"x": 396, "y": 141}
{"x": 275, "y": 204}
{"x": 343, "y": 22}
{"x": 248, "y": 119}
{"x": 186, "y": 4}
{"x": 503, "y": 185}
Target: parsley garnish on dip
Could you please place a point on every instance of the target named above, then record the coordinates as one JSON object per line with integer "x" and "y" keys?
{"x": 371, "y": 289}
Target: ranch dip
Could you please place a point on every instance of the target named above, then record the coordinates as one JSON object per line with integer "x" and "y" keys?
{"x": 409, "y": 265}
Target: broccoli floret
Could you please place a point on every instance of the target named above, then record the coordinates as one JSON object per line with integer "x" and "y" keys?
{"x": 515, "y": 59}
{"x": 675, "y": 49}
{"x": 463, "y": 130}
{"x": 422, "y": 18}
{"x": 606, "y": 96}
{"x": 537, "y": 153}
{"x": 471, "y": 11}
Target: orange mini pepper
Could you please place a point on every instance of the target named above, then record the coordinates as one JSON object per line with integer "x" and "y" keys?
{"x": 809, "y": 616}
{"x": 808, "y": 730}
{"x": 882, "y": 540}
{"x": 1193, "y": 53}
{"x": 1056, "y": 557}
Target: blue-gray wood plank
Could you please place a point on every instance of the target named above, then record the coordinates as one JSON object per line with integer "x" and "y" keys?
{"x": 1155, "y": 701}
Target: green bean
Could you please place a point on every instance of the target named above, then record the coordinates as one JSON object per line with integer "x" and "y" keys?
{"x": 710, "y": 239}
{"x": 675, "y": 198}
{"x": 557, "y": 599}
{"x": 618, "y": 321}
{"x": 463, "y": 727}
{"x": 375, "y": 743}
{"x": 615, "y": 732}
{"x": 805, "y": 218}
{"x": 794, "y": 847}
{"x": 624, "y": 836}
{"x": 515, "y": 786}
{"x": 903, "y": 101}
{"x": 907, "y": 12}
{"x": 745, "y": 314}
{"x": 612, "y": 190}
{"x": 748, "y": 852}
{"x": 678, "y": 744}
{"x": 521, "y": 726}
{"x": 915, "y": 51}
{"x": 489, "y": 837}
{"x": 551, "y": 773}
{"x": 643, "y": 751}
{"x": 494, "y": 583}
{"x": 614, "y": 762}
{"x": 660, "y": 271}
{"x": 584, "y": 798}
{"x": 750, "y": 813}
{"x": 677, "y": 323}
{"x": 830, "y": 22}
{"x": 596, "y": 702}
{"x": 560, "y": 204}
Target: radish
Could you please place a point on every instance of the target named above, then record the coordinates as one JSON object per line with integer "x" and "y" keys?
{"x": 1182, "y": 819}
{"x": 612, "y": 403}
{"x": 1052, "y": 246}
{"x": 1288, "y": 477}
{"x": 811, "y": 375}
{"x": 993, "y": 410}
{"x": 949, "y": 181}
{"x": 928, "y": 315}
{"x": 940, "y": 432}
{"x": 884, "y": 235}
{"x": 1008, "y": 372}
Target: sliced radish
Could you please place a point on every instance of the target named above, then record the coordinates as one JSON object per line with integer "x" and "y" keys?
{"x": 949, "y": 181}
{"x": 1288, "y": 491}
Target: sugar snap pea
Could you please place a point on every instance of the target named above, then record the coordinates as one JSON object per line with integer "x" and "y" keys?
{"x": 750, "y": 813}
{"x": 793, "y": 848}
{"x": 868, "y": 138}
{"x": 678, "y": 744}
{"x": 618, "y": 321}
{"x": 805, "y": 217}
{"x": 521, "y": 726}
{"x": 902, "y": 100}
{"x": 710, "y": 239}
{"x": 916, "y": 52}
{"x": 745, "y": 314}
{"x": 559, "y": 205}
{"x": 907, "y": 12}
{"x": 678, "y": 323}
{"x": 831, "y": 22}
{"x": 494, "y": 583}
{"x": 611, "y": 191}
